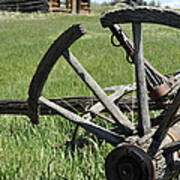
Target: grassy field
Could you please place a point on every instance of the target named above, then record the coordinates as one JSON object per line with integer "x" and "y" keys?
{"x": 27, "y": 151}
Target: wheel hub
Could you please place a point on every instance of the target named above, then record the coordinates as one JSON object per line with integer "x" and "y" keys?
{"x": 128, "y": 162}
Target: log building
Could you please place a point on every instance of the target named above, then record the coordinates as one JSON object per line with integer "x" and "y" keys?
{"x": 24, "y": 5}
{"x": 71, "y": 6}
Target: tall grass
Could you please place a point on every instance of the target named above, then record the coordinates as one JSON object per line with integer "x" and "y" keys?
{"x": 27, "y": 151}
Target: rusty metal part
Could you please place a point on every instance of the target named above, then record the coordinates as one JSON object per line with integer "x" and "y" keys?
{"x": 174, "y": 133}
{"x": 159, "y": 91}
{"x": 129, "y": 162}
{"x": 113, "y": 41}
{"x": 103, "y": 117}
{"x": 163, "y": 89}
{"x": 158, "y": 84}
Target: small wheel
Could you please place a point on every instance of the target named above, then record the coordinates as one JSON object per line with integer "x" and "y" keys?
{"x": 128, "y": 162}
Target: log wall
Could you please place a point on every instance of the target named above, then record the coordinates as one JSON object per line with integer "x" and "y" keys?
{"x": 24, "y": 5}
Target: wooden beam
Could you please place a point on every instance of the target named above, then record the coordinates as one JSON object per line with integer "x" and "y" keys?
{"x": 75, "y": 104}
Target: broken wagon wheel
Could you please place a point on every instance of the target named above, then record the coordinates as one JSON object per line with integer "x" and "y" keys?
{"x": 45, "y": 66}
{"x": 60, "y": 47}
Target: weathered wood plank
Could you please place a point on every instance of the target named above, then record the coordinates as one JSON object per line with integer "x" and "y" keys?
{"x": 155, "y": 80}
{"x": 20, "y": 106}
{"x": 75, "y": 104}
{"x": 24, "y": 5}
{"x": 26, "y": 9}
{"x": 74, "y": 5}
{"x": 143, "y": 14}
{"x": 95, "y": 109}
{"x": 20, "y": 1}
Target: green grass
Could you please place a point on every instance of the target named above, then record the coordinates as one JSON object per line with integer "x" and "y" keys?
{"x": 26, "y": 150}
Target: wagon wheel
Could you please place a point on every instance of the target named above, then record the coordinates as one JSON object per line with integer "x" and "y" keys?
{"x": 129, "y": 161}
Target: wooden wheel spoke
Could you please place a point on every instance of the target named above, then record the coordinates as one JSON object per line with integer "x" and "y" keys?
{"x": 109, "y": 136}
{"x": 124, "y": 123}
{"x": 144, "y": 124}
{"x": 98, "y": 107}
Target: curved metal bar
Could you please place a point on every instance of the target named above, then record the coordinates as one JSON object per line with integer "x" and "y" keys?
{"x": 142, "y": 14}
{"x": 62, "y": 43}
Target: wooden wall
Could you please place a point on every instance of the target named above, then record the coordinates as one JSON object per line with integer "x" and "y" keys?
{"x": 71, "y": 6}
{"x": 24, "y": 5}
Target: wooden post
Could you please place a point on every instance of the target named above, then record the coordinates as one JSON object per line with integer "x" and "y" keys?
{"x": 89, "y": 6}
{"x": 78, "y": 6}
{"x": 144, "y": 124}
{"x": 74, "y": 5}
